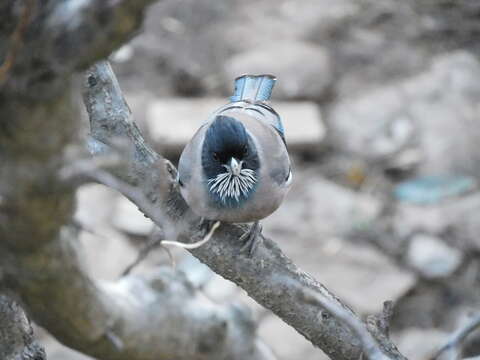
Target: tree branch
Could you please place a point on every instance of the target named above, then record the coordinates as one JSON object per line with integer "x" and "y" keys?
{"x": 452, "y": 350}
{"x": 110, "y": 119}
{"x": 16, "y": 334}
{"x": 64, "y": 36}
{"x": 154, "y": 317}
{"x": 159, "y": 316}
{"x": 369, "y": 344}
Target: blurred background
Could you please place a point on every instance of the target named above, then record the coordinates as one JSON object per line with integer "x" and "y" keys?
{"x": 380, "y": 101}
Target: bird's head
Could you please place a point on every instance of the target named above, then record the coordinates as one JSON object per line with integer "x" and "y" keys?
{"x": 230, "y": 162}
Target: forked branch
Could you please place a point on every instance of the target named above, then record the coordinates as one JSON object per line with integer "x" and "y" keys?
{"x": 148, "y": 172}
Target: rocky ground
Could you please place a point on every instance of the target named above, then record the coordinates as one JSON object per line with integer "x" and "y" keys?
{"x": 380, "y": 102}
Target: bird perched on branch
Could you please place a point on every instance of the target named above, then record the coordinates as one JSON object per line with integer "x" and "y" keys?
{"x": 236, "y": 167}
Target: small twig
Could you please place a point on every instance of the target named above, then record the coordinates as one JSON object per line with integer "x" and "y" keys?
{"x": 385, "y": 317}
{"x": 142, "y": 254}
{"x": 452, "y": 349}
{"x": 145, "y": 251}
{"x": 137, "y": 196}
{"x": 173, "y": 263}
{"x": 158, "y": 242}
{"x": 194, "y": 245}
{"x": 370, "y": 347}
{"x": 87, "y": 164}
{"x": 379, "y": 327}
{"x": 381, "y": 323}
{"x": 16, "y": 40}
{"x": 90, "y": 169}
{"x": 104, "y": 177}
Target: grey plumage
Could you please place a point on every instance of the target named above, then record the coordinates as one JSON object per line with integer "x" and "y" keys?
{"x": 236, "y": 167}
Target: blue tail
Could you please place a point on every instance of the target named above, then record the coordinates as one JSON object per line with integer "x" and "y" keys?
{"x": 253, "y": 88}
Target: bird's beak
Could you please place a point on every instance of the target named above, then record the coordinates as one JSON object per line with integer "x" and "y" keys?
{"x": 235, "y": 166}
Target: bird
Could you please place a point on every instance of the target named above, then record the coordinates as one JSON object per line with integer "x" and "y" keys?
{"x": 236, "y": 168}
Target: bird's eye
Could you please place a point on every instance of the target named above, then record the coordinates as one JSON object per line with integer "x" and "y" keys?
{"x": 215, "y": 156}
{"x": 245, "y": 151}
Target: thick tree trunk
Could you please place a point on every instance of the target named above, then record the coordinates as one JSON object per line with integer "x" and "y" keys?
{"x": 17, "y": 341}
{"x": 159, "y": 316}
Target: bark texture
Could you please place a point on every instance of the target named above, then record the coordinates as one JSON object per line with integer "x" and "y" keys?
{"x": 17, "y": 341}
{"x": 157, "y": 316}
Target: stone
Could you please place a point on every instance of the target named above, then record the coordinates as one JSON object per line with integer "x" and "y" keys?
{"x": 315, "y": 19}
{"x": 298, "y": 78}
{"x": 106, "y": 253}
{"x": 318, "y": 206}
{"x": 99, "y": 242}
{"x": 94, "y": 205}
{"x": 420, "y": 344}
{"x": 304, "y": 127}
{"x": 183, "y": 49}
{"x": 285, "y": 341}
{"x": 214, "y": 286}
{"x": 357, "y": 42}
{"x": 258, "y": 311}
{"x": 456, "y": 216}
{"x": 434, "y": 112}
{"x": 410, "y": 219}
{"x": 57, "y": 351}
{"x": 434, "y": 189}
{"x": 432, "y": 257}
{"x": 220, "y": 290}
{"x": 123, "y": 54}
{"x": 127, "y": 218}
{"x": 362, "y": 127}
{"x": 358, "y": 274}
{"x": 285, "y": 20}
{"x": 302, "y": 120}
{"x": 197, "y": 272}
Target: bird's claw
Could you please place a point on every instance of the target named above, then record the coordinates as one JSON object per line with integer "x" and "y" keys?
{"x": 251, "y": 238}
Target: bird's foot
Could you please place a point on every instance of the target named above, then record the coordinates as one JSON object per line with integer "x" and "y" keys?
{"x": 251, "y": 238}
